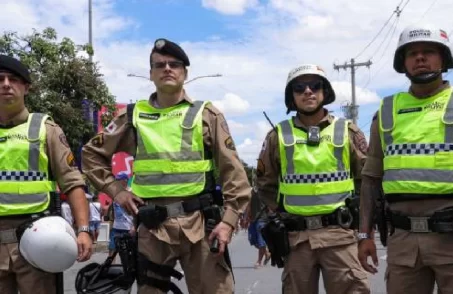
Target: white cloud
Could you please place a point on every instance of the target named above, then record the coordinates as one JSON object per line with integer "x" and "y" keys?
{"x": 343, "y": 92}
{"x": 249, "y": 150}
{"x": 232, "y": 104}
{"x": 230, "y": 6}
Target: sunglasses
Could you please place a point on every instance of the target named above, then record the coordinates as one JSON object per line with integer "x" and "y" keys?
{"x": 171, "y": 64}
{"x": 301, "y": 86}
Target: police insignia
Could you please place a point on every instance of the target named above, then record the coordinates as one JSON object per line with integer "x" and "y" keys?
{"x": 225, "y": 128}
{"x": 160, "y": 44}
{"x": 98, "y": 140}
{"x": 230, "y": 144}
{"x": 63, "y": 140}
{"x": 70, "y": 159}
{"x": 360, "y": 142}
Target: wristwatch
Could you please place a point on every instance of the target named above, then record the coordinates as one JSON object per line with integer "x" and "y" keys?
{"x": 85, "y": 229}
{"x": 363, "y": 236}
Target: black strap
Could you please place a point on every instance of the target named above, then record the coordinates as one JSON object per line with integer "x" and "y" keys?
{"x": 166, "y": 271}
{"x": 435, "y": 224}
{"x": 130, "y": 113}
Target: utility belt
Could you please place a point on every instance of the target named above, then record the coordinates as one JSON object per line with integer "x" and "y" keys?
{"x": 151, "y": 215}
{"x": 341, "y": 217}
{"x": 440, "y": 222}
{"x": 275, "y": 233}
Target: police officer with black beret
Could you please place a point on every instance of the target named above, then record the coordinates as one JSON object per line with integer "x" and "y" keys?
{"x": 176, "y": 143}
{"x": 34, "y": 158}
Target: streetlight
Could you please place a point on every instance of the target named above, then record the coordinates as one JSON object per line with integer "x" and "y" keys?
{"x": 137, "y": 76}
{"x": 196, "y": 78}
{"x": 201, "y": 77}
{"x": 90, "y": 29}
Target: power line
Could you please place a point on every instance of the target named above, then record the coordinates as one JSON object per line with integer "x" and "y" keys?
{"x": 376, "y": 73}
{"x": 397, "y": 11}
{"x": 388, "y": 32}
{"x": 428, "y": 9}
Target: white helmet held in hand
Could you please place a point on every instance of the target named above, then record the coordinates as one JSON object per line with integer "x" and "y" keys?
{"x": 423, "y": 33}
{"x": 50, "y": 244}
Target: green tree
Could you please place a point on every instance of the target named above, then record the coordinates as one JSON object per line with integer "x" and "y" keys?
{"x": 63, "y": 81}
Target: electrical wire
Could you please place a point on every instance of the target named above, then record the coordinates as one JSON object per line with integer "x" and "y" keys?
{"x": 396, "y": 11}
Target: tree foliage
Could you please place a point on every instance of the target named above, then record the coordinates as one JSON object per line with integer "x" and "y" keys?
{"x": 65, "y": 82}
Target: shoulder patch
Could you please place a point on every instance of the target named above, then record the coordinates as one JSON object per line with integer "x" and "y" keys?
{"x": 98, "y": 140}
{"x": 229, "y": 143}
{"x": 360, "y": 142}
{"x": 70, "y": 160}
{"x": 63, "y": 140}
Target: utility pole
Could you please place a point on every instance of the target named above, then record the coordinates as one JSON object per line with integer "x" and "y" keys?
{"x": 90, "y": 28}
{"x": 351, "y": 110}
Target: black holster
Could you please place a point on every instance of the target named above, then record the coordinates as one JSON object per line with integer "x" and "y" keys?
{"x": 276, "y": 236}
{"x": 151, "y": 216}
{"x": 383, "y": 219}
{"x": 126, "y": 246}
{"x": 353, "y": 204}
{"x": 212, "y": 216}
{"x": 165, "y": 271}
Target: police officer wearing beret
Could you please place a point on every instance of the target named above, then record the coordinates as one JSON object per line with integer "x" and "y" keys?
{"x": 177, "y": 144}
{"x": 54, "y": 161}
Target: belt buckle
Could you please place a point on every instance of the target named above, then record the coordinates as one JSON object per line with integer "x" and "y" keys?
{"x": 313, "y": 222}
{"x": 175, "y": 209}
{"x": 419, "y": 224}
{"x": 8, "y": 236}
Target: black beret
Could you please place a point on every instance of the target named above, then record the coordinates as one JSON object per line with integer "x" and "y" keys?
{"x": 15, "y": 67}
{"x": 166, "y": 47}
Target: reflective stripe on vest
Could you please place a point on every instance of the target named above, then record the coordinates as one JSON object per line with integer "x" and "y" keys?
{"x": 423, "y": 165}
{"x": 171, "y": 173}
{"x": 314, "y": 193}
{"x": 24, "y": 186}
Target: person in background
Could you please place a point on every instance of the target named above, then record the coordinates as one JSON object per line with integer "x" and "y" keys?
{"x": 123, "y": 223}
{"x": 95, "y": 217}
{"x": 255, "y": 218}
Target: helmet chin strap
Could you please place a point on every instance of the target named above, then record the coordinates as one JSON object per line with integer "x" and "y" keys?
{"x": 311, "y": 113}
{"x": 424, "y": 78}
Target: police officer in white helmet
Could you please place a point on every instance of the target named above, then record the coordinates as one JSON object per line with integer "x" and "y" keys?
{"x": 307, "y": 172}
{"x": 410, "y": 160}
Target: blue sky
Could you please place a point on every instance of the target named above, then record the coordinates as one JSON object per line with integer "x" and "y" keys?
{"x": 253, "y": 44}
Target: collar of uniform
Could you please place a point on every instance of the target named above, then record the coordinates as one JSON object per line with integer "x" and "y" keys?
{"x": 445, "y": 85}
{"x": 20, "y": 118}
{"x": 185, "y": 98}
{"x": 325, "y": 121}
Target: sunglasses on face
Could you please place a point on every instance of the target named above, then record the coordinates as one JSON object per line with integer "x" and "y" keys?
{"x": 171, "y": 64}
{"x": 301, "y": 86}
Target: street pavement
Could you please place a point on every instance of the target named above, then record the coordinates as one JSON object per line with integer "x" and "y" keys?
{"x": 266, "y": 280}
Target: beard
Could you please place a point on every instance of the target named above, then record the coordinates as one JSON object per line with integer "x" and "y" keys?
{"x": 311, "y": 112}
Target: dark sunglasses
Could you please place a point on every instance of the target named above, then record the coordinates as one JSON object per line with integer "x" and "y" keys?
{"x": 301, "y": 86}
{"x": 171, "y": 64}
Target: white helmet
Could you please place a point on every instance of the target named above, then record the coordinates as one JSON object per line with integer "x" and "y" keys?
{"x": 50, "y": 244}
{"x": 424, "y": 33}
{"x": 307, "y": 69}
